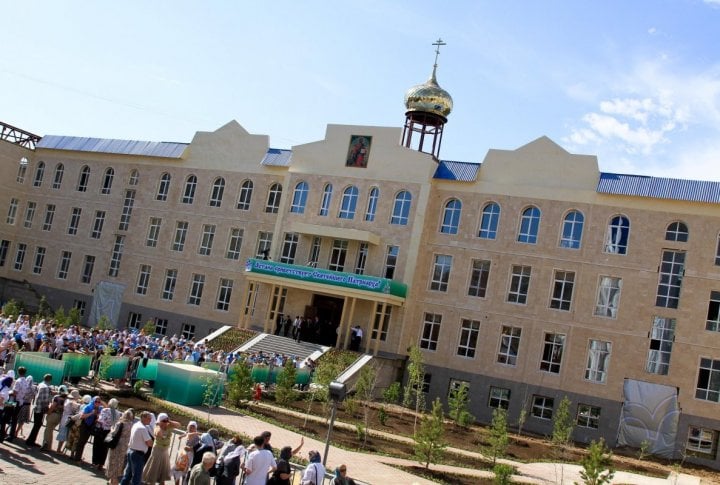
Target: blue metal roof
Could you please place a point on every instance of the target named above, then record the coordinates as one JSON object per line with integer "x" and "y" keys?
{"x": 277, "y": 157}
{"x": 659, "y": 187}
{"x": 460, "y": 171}
{"x": 121, "y": 147}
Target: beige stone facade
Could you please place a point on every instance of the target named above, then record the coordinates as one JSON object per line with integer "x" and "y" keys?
{"x": 576, "y": 313}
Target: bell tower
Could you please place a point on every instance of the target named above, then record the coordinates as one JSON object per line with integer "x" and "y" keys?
{"x": 427, "y": 107}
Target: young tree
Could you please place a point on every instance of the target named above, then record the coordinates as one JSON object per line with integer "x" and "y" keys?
{"x": 597, "y": 465}
{"x": 149, "y": 327}
{"x": 12, "y": 308}
{"x": 429, "y": 444}
{"x": 365, "y": 390}
{"x": 562, "y": 424}
{"x": 285, "y": 385}
{"x": 44, "y": 309}
{"x": 498, "y": 439}
{"x": 458, "y": 402}
{"x": 240, "y": 385}
{"x": 73, "y": 317}
{"x": 414, "y": 395}
{"x": 60, "y": 317}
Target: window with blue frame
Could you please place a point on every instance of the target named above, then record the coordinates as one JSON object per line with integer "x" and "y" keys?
{"x": 489, "y": 221}
{"x": 572, "y": 230}
{"x": 327, "y": 196}
{"x": 618, "y": 235}
{"x": 349, "y": 203}
{"x": 529, "y": 225}
{"x": 299, "y": 198}
{"x": 372, "y": 204}
{"x": 401, "y": 208}
{"x": 451, "y": 217}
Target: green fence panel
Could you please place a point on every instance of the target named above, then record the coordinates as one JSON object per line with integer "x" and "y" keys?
{"x": 187, "y": 384}
{"x": 78, "y": 364}
{"x": 260, "y": 373}
{"x": 148, "y": 371}
{"x": 38, "y": 364}
{"x": 211, "y": 365}
{"x": 116, "y": 368}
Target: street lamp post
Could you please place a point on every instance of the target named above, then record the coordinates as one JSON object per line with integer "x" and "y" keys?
{"x": 337, "y": 391}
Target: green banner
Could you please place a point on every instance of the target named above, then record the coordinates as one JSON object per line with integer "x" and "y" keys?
{"x": 327, "y": 277}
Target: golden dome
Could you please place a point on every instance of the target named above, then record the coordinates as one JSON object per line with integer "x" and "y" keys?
{"x": 429, "y": 97}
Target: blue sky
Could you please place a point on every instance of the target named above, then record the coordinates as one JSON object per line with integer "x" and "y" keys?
{"x": 636, "y": 83}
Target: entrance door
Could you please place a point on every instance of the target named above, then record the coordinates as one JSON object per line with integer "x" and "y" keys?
{"x": 328, "y": 309}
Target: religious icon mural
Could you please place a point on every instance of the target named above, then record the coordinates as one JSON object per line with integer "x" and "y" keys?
{"x": 359, "y": 151}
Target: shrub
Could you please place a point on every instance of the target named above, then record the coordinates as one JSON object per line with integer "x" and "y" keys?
{"x": 503, "y": 473}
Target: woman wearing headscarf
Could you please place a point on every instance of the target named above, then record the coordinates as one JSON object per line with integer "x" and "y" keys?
{"x": 70, "y": 408}
{"x": 315, "y": 471}
{"x": 88, "y": 418}
{"x": 229, "y": 461}
{"x": 108, "y": 417}
{"x": 54, "y": 414}
{"x": 6, "y": 385}
{"x": 76, "y": 419}
{"x": 208, "y": 442}
{"x": 116, "y": 456}
{"x": 157, "y": 468}
{"x": 341, "y": 477}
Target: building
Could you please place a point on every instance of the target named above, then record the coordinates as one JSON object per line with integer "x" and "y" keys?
{"x": 530, "y": 276}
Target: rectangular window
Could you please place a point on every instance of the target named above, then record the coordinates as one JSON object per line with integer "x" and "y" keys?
{"x": 702, "y": 442}
{"x": 662, "y": 336}
{"x": 361, "y": 259}
{"x": 224, "y": 295}
{"x": 64, "y": 266}
{"x": 278, "y": 302}
{"x": 12, "y": 211}
{"x": 29, "y": 214}
{"x": 509, "y": 345}
{"x": 117, "y": 253}
{"x": 4, "y": 248}
{"x": 391, "y": 261}
{"x": 441, "y": 272}
{"x": 81, "y": 305}
{"x": 469, "y": 332}
{"x": 598, "y": 360}
{"x": 251, "y": 299}
{"x": 289, "y": 248}
{"x": 153, "y": 232}
{"x": 381, "y": 322}
{"x": 127, "y": 210}
{"x": 608, "y": 300}
{"x": 672, "y": 270}
{"x": 479, "y": 275}
{"x": 196, "y": 289}
{"x": 717, "y": 252}
{"x": 519, "y": 284}
{"x": 588, "y": 416}
{"x": 314, "y": 255}
{"x": 74, "y": 221}
{"x": 181, "y": 229}
{"x": 713, "y": 315}
{"x": 562, "y": 290}
{"x": 431, "y": 331}
{"x": 49, "y": 216}
{"x": 98, "y": 225}
{"x": 455, "y": 384}
{"x": 161, "y": 325}
{"x": 499, "y": 398}
{"x": 188, "y": 331}
{"x": 39, "y": 260}
{"x": 338, "y": 255}
{"x": 542, "y": 407}
{"x": 263, "y": 245}
{"x": 169, "y": 287}
{"x": 143, "y": 279}
{"x": 88, "y": 267}
{"x": 20, "y": 256}
{"x": 234, "y": 243}
{"x": 206, "y": 242}
{"x": 552, "y": 352}
{"x": 134, "y": 320}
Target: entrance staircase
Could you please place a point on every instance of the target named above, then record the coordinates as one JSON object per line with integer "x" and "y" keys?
{"x": 275, "y": 344}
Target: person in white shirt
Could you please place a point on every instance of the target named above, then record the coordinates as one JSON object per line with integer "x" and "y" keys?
{"x": 259, "y": 463}
{"x": 315, "y": 471}
{"x": 140, "y": 441}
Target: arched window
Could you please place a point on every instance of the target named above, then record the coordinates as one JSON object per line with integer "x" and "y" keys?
{"x": 299, "y": 198}
{"x": 107, "y": 181}
{"x": 273, "y": 200}
{"x": 349, "y": 203}
{"x": 372, "y": 204}
{"x": 134, "y": 177}
{"x": 451, "y": 217}
{"x": 529, "y": 225}
{"x": 246, "y": 190}
{"x": 163, "y": 187}
{"x": 489, "y": 221}
{"x": 83, "y": 179}
{"x": 22, "y": 170}
{"x": 327, "y": 196}
{"x": 618, "y": 234}
{"x": 189, "y": 190}
{"x": 57, "y": 179}
{"x": 401, "y": 208}
{"x": 677, "y": 231}
{"x": 39, "y": 174}
{"x": 572, "y": 230}
{"x": 218, "y": 189}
